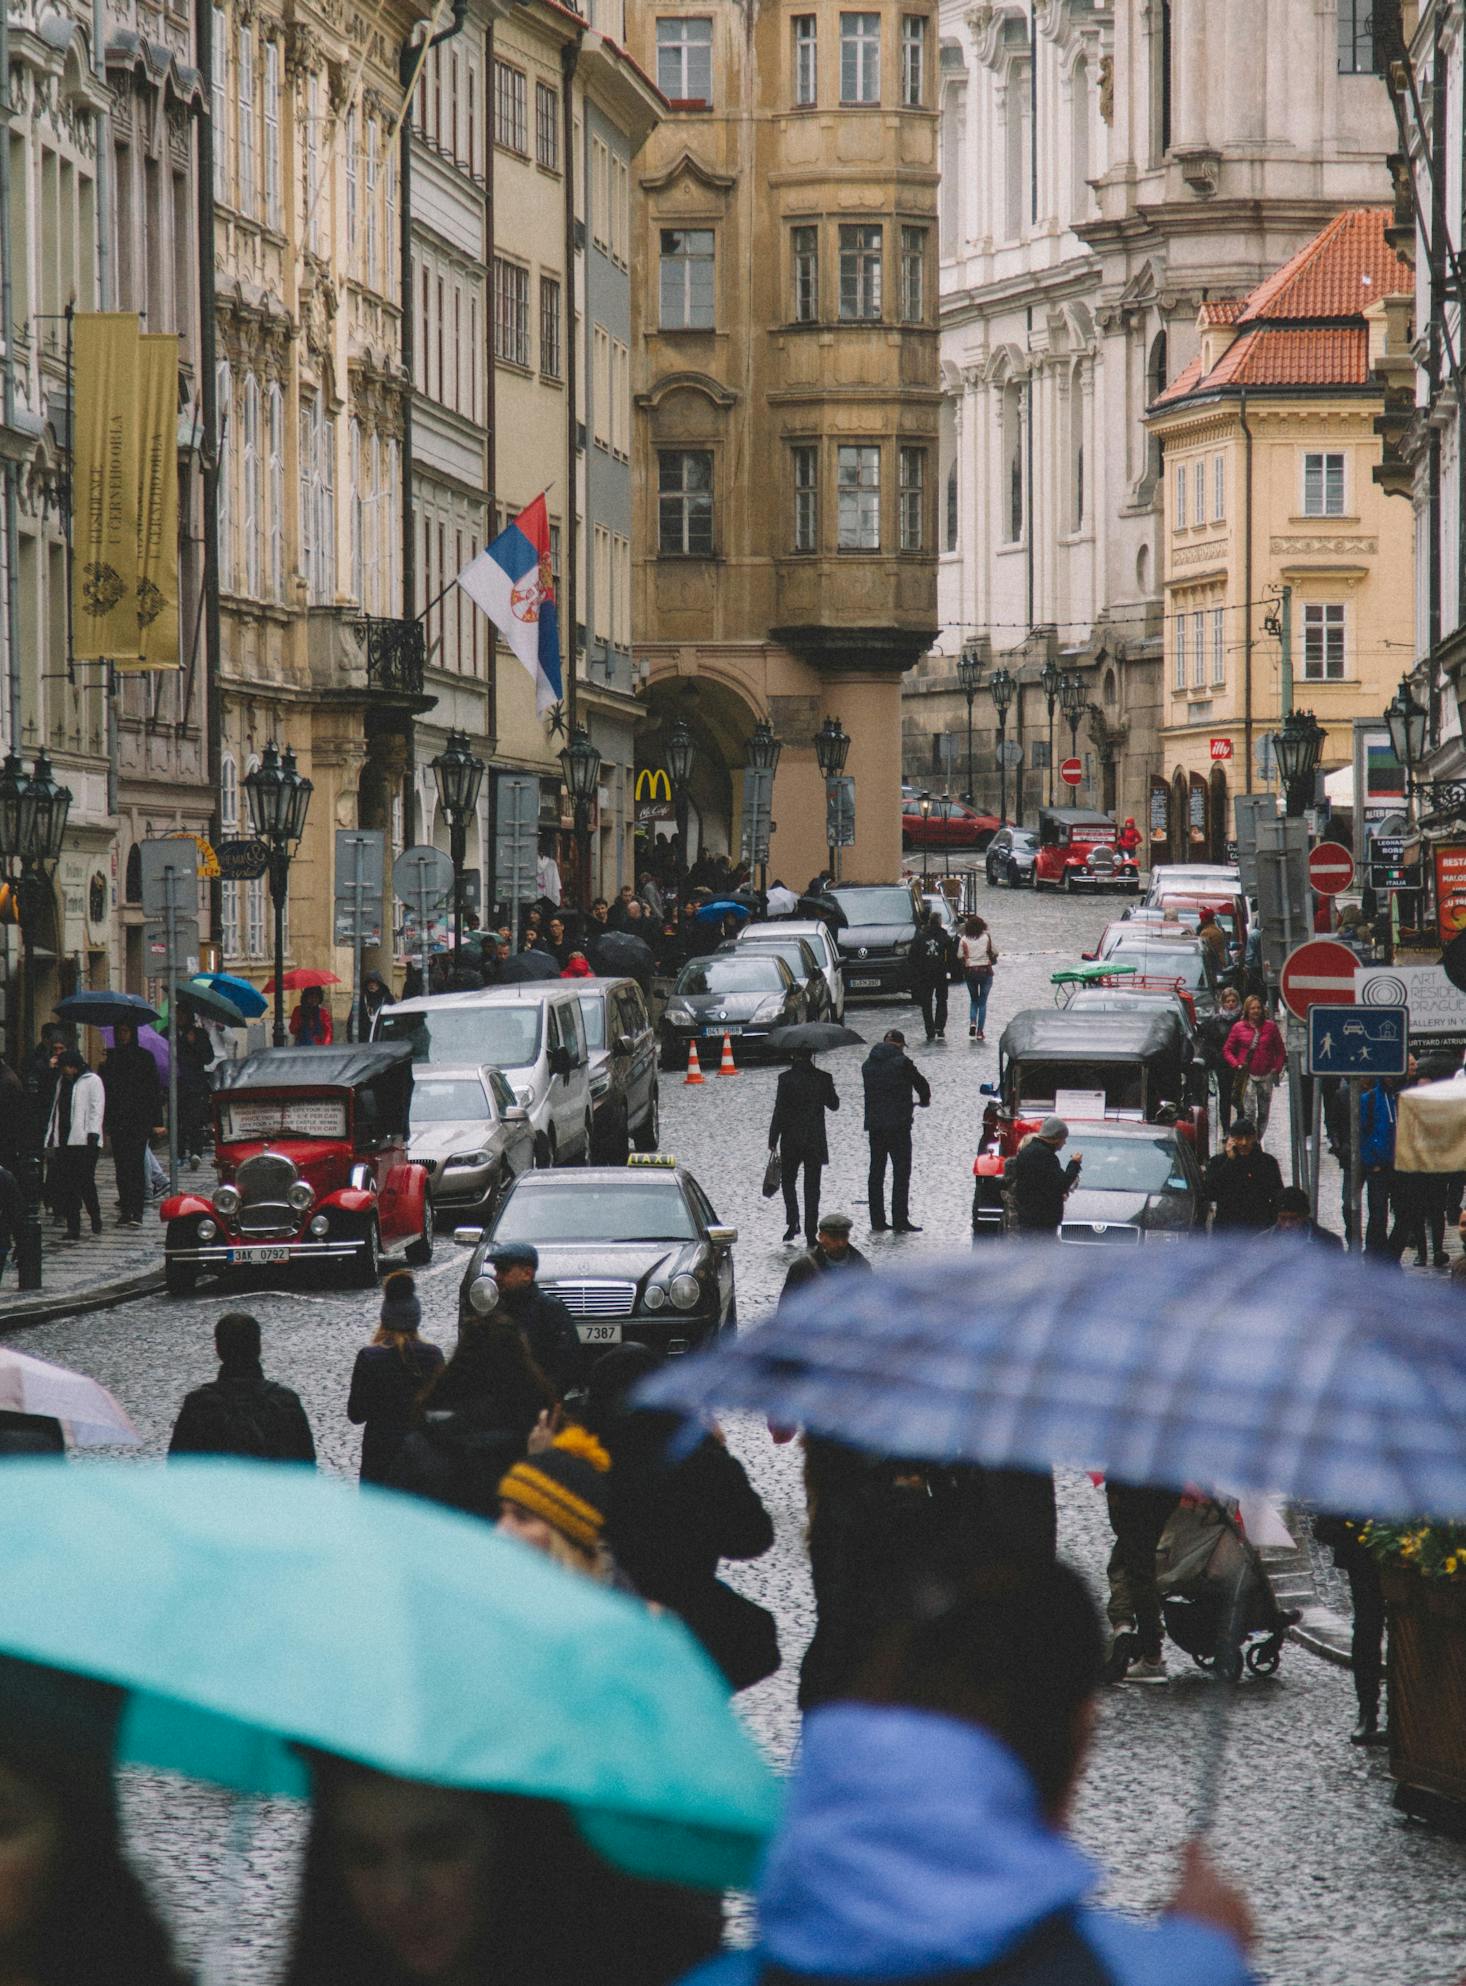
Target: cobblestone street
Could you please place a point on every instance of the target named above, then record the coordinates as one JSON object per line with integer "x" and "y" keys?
{"x": 1345, "y": 1894}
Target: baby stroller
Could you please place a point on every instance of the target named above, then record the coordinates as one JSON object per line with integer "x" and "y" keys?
{"x": 1216, "y": 1598}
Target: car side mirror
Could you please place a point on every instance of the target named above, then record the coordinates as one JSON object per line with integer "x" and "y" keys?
{"x": 1089, "y": 957}
{"x": 467, "y": 1237}
{"x": 515, "y": 1114}
{"x": 561, "y": 1062}
{"x": 722, "y": 1237}
{"x": 987, "y": 1089}
{"x": 624, "y": 1044}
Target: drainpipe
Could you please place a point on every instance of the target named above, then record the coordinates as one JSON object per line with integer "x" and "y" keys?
{"x": 1439, "y": 287}
{"x": 491, "y": 489}
{"x": 105, "y": 301}
{"x": 209, "y": 454}
{"x": 1028, "y": 472}
{"x": 569, "y": 62}
{"x": 7, "y": 404}
{"x": 1246, "y": 594}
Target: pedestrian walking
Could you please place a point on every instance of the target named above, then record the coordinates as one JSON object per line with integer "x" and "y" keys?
{"x": 310, "y": 1024}
{"x": 1211, "y": 1037}
{"x": 556, "y": 1500}
{"x": 977, "y": 955}
{"x": 894, "y": 1086}
{"x": 1256, "y": 1053}
{"x": 1214, "y": 942}
{"x": 547, "y": 1327}
{"x": 10, "y": 1216}
{"x": 1379, "y": 1115}
{"x": 577, "y": 966}
{"x": 1295, "y": 1221}
{"x": 832, "y": 1250}
{"x": 241, "y": 1412}
{"x": 1341, "y": 1535}
{"x": 482, "y": 1412}
{"x": 797, "y": 1132}
{"x": 1243, "y": 1181}
{"x": 1127, "y": 840}
{"x": 1138, "y": 1516}
{"x": 195, "y": 1054}
{"x": 74, "y": 1136}
{"x": 388, "y": 1376}
{"x": 1039, "y": 1183}
{"x": 376, "y": 996}
{"x": 931, "y": 970}
{"x": 134, "y": 1111}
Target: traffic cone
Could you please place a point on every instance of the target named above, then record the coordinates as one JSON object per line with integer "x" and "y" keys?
{"x": 694, "y": 1067}
{"x": 728, "y": 1067}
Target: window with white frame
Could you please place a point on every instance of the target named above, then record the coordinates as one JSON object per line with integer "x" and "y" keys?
{"x": 353, "y": 202}
{"x": 805, "y": 467}
{"x": 1323, "y": 484}
{"x": 549, "y": 327}
{"x": 1178, "y": 678}
{"x": 373, "y": 235}
{"x": 600, "y": 192}
{"x": 1198, "y": 651}
{"x": 511, "y": 124}
{"x": 620, "y": 398}
{"x": 685, "y": 58}
{"x": 511, "y": 312}
{"x": 1218, "y": 488}
{"x": 275, "y": 431}
{"x": 913, "y": 61}
{"x": 804, "y": 244}
{"x": 273, "y": 214}
{"x": 687, "y": 279}
{"x": 911, "y": 498}
{"x": 860, "y": 271}
{"x": 358, "y": 514}
{"x": 1323, "y": 641}
{"x": 229, "y": 824}
{"x": 685, "y": 502}
{"x": 600, "y": 385}
{"x": 1198, "y": 493}
{"x": 860, "y": 58}
{"x": 1218, "y": 647}
{"x": 1178, "y": 521}
{"x": 313, "y": 164}
{"x": 547, "y": 127}
{"x": 245, "y": 93}
{"x": 252, "y": 510}
{"x": 913, "y": 275}
{"x": 858, "y": 497}
{"x": 620, "y": 210}
{"x": 224, "y": 396}
{"x": 221, "y": 105}
{"x": 806, "y": 61}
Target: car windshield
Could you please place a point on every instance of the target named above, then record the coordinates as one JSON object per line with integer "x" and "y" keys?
{"x": 1168, "y": 962}
{"x": 1041, "y": 1082}
{"x": 790, "y": 954}
{"x": 593, "y": 1013}
{"x": 1027, "y": 839}
{"x": 440, "y": 1100}
{"x": 1128, "y": 1165}
{"x": 509, "y": 1037}
{"x": 732, "y": 975}
{"x": 272, "y": 1117}
{"x": 875, "y": 906}
{"x": 650, "y": 1211}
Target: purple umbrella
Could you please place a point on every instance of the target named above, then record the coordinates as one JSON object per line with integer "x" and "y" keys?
{"x": 155, "y": 1043}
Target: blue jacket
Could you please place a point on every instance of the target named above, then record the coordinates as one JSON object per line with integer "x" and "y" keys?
{"x": 1378, "y": 1112}
{"x": 913, "y": 1846}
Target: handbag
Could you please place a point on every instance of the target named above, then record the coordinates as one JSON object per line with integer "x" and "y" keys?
{"x": 1240, "y": 1080}
{"x": 773, "y": 1174}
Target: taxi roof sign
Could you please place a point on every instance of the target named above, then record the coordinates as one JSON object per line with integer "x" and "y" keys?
{"x": 652, "y": 1159}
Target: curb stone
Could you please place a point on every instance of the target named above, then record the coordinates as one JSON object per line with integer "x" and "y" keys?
{"x": 101, "y": 1296}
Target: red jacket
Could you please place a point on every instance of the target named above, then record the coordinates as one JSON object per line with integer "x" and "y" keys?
{"x": 325, "y": 1034}
{"x": 578, "y": 968}
{"x": 1270, "y": 1056}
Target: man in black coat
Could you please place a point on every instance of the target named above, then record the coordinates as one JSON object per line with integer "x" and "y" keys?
{"x": 893, "y": 1087}
{"x": 833, "y": 1250}
{"x": 1244, "y": 1181}
{"x": 241, "y": 1412}
{"x": 134, "y": 1111}
{"x": 1039, "y": 1181}
{"x": 547, "y": 1326}
{"x": 797, "y": 1132}
{"x": 931, "y": 973}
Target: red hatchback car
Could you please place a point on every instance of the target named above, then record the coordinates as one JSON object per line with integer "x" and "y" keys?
{"x": 949, "y": 823}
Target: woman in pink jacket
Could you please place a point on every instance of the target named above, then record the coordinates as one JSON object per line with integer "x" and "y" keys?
{"x": 1255, "y": 1050}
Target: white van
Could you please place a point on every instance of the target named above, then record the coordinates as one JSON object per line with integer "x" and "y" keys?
{"x": 534, "y": 1033}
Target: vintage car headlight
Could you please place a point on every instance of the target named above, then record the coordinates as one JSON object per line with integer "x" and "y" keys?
{"x": 525, "y": 1099}
{"x": 483, "y": 1296}
{"x": 319, "y": 1226}
{"x": 685, "y": 1292}
{"x": 470, "y": 1158}
{"x": 656, "y": 1297}
{"x": 301, "y": 1195}
{"x": 207, "y": 1230}
{"x": 227, "y": 1200}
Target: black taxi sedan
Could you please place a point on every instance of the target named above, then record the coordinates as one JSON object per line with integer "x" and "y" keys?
{"x": 636, "y": 1253}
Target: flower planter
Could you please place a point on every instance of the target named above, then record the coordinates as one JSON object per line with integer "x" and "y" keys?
{"x": 1427, "y": 1683}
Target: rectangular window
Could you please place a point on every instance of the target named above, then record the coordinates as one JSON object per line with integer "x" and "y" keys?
{"x": 549, "y": 327}
{"x": 313, "y": 164}
{"x": 511, "y": 312}
{"x": 547, "y": 127}
{"x": 620, "y": 398}
{"x": 913, "y": 61}
{"x": 858, "y": 499}
{"x": 620, "y": 211}
{"x": 860, "y": 58}
{"x": 1323, "y": 643}
{"x": 511, "y": 128}
{"x": 1356, "y": 37}
{"x": 1178, "y": 522}
{"x": 600, "y": 385}
{"x": 860, "y": 272}
{"x": 1218, "y": 644}
{"x": 913, "y": 275}
{"x": 805, "y": 247}
{"x": 1198, "y": 493}
{"x": 1323, "y": 485}
{"x": 600, "y": 192}
{"x": 806, "y": 61}
{"x": 685, "y": 59}
{"x": 275, "y": 407}
{"x": 245, "y": 91}
{"x": 687, "y": 279}
{"x": 1178, "y": 679}
{"x": 1218, "y": 488}
{"x": 911, "y": 494}
{"x": 1198, "y": 648}
{"x": 349, "y": 141}
{"x": 685, "y": 502}
{"x": 373, "y": 239}
{"x": 221, "y": 105}
{"x": 272, "y": 134}
{"x": 806, "y": 467}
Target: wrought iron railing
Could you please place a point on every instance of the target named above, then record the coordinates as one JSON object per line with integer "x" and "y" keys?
{"x": 396, "y": 655}
{"x": 1442, "y": 797}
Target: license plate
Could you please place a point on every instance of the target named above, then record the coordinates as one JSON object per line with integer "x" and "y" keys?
{"x": 258, "y": 1255}
{"x": 599, "y": 1334}
{"x": 864, "y": 985}
{"x": 730, "y": 1027}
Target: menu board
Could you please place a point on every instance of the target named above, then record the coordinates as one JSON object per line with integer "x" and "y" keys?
{"x": 1160, "y": 811}
{"x": 1450, "y": 890}
{"x": 283, "y": 1117}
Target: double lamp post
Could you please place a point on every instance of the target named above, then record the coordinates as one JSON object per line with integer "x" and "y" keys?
{"x": 279, "y": 799}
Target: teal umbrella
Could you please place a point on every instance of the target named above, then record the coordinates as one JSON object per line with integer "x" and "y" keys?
{"x": 247, "y": 1607}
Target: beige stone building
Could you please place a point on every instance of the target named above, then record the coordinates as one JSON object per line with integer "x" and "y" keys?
{"x": 784, "y": 259}
{"x": 1268, "y": 449}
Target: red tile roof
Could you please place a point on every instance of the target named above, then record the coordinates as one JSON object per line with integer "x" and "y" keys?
{"x": 1289, "y": 357}
{"x": 1222, "y": 310}
{"x": 1339, "y": 273}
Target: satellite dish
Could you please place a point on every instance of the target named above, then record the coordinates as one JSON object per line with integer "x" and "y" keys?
{"x": 1453, "y": 958}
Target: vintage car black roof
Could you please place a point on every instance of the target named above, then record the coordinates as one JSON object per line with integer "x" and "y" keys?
{"x": 1077, "y": 816}
{"x": 1052, "y": 1034}
{"x": 346, "y": 1068}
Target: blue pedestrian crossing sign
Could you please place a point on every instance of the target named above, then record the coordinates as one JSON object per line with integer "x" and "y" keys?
{"x": 1358, "y": 1041}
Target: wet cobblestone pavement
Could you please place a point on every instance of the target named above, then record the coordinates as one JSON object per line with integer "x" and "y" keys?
{"x": 1345, "y": 1893}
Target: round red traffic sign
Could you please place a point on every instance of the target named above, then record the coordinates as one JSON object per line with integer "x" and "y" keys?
{"x": 1330, "y": 868}
{"x": 1318, "y": 974}
{"x": 1071, "y": 771}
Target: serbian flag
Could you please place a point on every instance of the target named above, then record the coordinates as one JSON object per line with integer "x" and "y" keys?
{"x": 510, "y": 580}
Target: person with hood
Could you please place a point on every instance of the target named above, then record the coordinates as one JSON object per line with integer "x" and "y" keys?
{"x": 310, "y": 1024}
{"x": 931, "y": 971}
{"x": 893, "y": 1087}
{"x": 241, "y": 1412}
{"x": 1211, "y": 1039}
{"x": 1040, "y": 1184}
{"x": 1128, "y": 838}
{"x": 375, "y": 995}
{"x": 547, "y": 1327}
{"x": 489, "y": 1406}
{"x": 389, "y": 1375}
{"x": 134, "y": 1112}
{"x": 577, "y": 966}
{"x": 832, "y": 1252}
{"x": 797, "y": 1133}
{"x": 195, "y": 1059}
{"x": 74, "y": 1135}
{"x": 924, "y": 1837}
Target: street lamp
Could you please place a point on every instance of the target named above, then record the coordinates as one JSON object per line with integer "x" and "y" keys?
{"x": 1407, "y": 720}
{"x": 1072, "y": 702}
{"x": 1298, "y": 747}
{"x": 924, "y": 808}
{"x": 1050, "y": 681}
{"x": 1000, "y": 689}
{"x": 279, "y": 800}
{"x": 33, "y": 813}
{"x": 580, "y": 763}
{"x": 459, "y": 773}
{"x": 969, "y": 673}
{"x": 763, "y": 755}
{"x": 831, "y": 749}
{"x": 680, "y": 752}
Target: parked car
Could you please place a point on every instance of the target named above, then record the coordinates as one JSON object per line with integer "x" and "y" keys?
{"x": 624, "y": 1091}
{"x": 1193, "y": 878}
{"x": 876, "y": 936}
{"x": 742, "y": 994}
{"x": 1010, "y": 857}
{"x": 1121, "y": 931}
{"x": 801, "y": 961}
{"x": 636, "y": 1254}
{"x": 1166, "y": 963}
{"x": 1125, "y": 997}
{"x": 470, "y": 1136}
{"x": 310, "y": 1147}
{"x": 1139, "y": 1183}
{"x": 534, "y": 1033}
{"x": 949, "y": 823}
{"x": 821, "y": 942}
{"x": 1076, "y": 851}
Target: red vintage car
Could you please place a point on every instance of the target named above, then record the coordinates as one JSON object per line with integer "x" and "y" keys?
{"x": 1077, "y": 850}
{"x": 949, "y": 823}
{"x": 311, "y": 1150}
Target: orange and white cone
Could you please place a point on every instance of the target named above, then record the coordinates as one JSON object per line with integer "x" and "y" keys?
{"x": 694, "y": 1067}
{"x": 728, "y": 1067}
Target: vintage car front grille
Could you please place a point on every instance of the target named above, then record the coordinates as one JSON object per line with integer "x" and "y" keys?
{"x": 263, "y": 1182}
{"x": 597, "y": 1298}
{"x": 1099, "y": 1234}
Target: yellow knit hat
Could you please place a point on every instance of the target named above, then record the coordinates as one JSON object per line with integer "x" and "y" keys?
{"x": 566, "y": 1485}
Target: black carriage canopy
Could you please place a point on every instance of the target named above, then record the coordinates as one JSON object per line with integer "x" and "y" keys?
{"x": 1138, "y": 1059}
{"x": 1054, "y": 818}
{"x": 378, "y": 1073}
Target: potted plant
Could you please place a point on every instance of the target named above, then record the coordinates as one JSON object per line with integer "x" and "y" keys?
{"x": 1423, "y": 1572}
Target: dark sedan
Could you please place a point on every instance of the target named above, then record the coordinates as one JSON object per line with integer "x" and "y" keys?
{"x": 636, "y": 1253}
{"x": 801, "y": 961}
{"x": 744, "y": 994}
{"x": 1010, "y": 858}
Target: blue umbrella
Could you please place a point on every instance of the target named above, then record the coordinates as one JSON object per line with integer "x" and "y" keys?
{"x": 251, "y": 1606}
{"x": 248, "y": 999}
{"x": 1273, "y": 1366}
{"x": 706, "y": 913}
{"x": 100, "y": 1007}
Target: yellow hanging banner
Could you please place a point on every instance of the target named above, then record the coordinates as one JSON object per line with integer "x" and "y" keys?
{"x": 105, "y": 487}
{"x": 157, "y": 558}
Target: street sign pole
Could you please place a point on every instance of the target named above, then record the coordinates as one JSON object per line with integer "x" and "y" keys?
{"x": 358, "y": 886}
{"x": 170, "y": 914}
{"x": 1356, "y": 1167}
{"x": 1314, "y": 1156}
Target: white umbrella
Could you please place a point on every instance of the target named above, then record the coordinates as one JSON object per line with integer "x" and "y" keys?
{"x": 89, "y": 1416}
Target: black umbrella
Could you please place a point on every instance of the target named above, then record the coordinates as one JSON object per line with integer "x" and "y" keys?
{"x": 816, "y": 1036}
{"x": 99, "y": 1007}
{"x": 823, "y": 907}
{"x": 618, "y": 952}
{"x": 205, "y": 1000}
{"x": 521, "y": 968}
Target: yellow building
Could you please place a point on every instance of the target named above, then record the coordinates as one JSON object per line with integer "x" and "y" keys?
{"x": 1289, "y": 574}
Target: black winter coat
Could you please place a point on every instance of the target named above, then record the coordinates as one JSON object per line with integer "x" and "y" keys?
{"x": 798, "y": 1123}
{"x": 459, "y": 1457}
{"x": 134, "y": 1095}
{"x": 1040, "y": 1181}
{"x": 384, "y": 1391}
{"x": 1245, "y": 1189}
{"x": 893, "y": 1087}
{"x": 931, "y": 958}
{"x": 243, "y": 1413}
{"x": 549, "y": 1331}
{"x": 814, "y": 1263}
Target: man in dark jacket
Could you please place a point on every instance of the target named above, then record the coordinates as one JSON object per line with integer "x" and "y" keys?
{"x": 241, "y": 1412}
{"x": 1295, "y": 1221}
{"x": 1244, "y": 1181}
{"x": 1040, "y": 1183}
{"x": 797, "y": 1131}
{"x": 832, "y": 1250}
{"x": 134, "y": 1111}
{"x": 893, "y": 1087}
{"x": 931, "y": 972}
{"x": 547, "y": 1326}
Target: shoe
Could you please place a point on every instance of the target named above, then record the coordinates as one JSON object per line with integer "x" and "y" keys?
{"x": 931, "y": 1037}
{"x": 67, "y": 1238}
{"x": 791, "y": 1234}
{"x": 1143, "y": 1670}
{"x": 941, "y": 1034}
{"x": 880, "y": 1227}
{"x": 907, "y": 1227}
{"x": 1420, "y": 1258}
{"x": 96, "y": 1227}
{"x": 1119, "y": 1654}
{"x": 972, "y": 1034}
{"x": 1367, "y": 1730}
{"x": 1442, "y": 1260}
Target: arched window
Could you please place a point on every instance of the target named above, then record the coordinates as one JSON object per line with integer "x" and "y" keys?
{"x": 1156, "y": 379}
{"x": 1012, "y": 463}
{"x": 951, "y": 540}
{"x": 133, "y": 883}
{"x": 1109, "y": 688}
{"x": 1078, "y": 498}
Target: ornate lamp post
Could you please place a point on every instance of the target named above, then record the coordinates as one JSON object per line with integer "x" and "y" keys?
{"x": 580, "y": 762}
{"x": 1298, "y": 748}
{"x": 1050, "y": 681}
{"x": 831, "y": 749}
{"x": 459, "y": 773}
{"x": 924, "y": 807}
{"x": 1000, "y": 689}
{"x": 763, "y": 755}
{"x": 1408, "y": 722}
{"x": 279, "y": 800}
{"x": 680, "y": 754}
{"x": 969, "y": 673}
{"x": 1072, "y": 701}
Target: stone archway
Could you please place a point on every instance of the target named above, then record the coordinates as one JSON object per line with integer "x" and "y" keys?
{"x": 1180, "y": 816}
{"x": 1218, "y": 813}
{"x": 721, "y": 721}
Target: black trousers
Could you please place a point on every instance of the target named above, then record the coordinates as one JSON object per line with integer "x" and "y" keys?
{"x": 128, "y": 1146}
{"x": 1137, "y": 1517}
{"x": 789, "y": 1169}
{"x": 931, "y": 996}
{"x": 894, "y": 1146}
{"x": 1368, "y": 1643}
{"x": 76, "y": 1186}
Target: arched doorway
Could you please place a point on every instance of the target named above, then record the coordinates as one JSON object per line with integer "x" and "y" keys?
{"x": 1218, "y": 814}
{"x": 1180, "y": 817}
{"x": 720, "y": 721}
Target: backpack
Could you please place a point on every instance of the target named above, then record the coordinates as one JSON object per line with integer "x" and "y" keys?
{"x": 1056, "y": 1954}
{"x": 253, "y": 1418}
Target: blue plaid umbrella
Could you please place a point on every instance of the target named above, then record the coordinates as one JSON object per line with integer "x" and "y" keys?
{"x": 1261, "y": 1365}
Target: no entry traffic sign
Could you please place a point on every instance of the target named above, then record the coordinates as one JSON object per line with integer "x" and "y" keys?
{"x": 1318, "y": 974}
{"x": 1071, "y": 771}
{"x": 1330, "y": 868}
